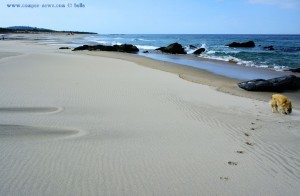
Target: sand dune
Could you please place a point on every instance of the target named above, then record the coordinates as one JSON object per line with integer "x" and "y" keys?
{"x": 126, "y": 129}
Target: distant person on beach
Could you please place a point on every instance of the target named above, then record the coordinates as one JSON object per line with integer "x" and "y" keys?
{"x": 2, "y": 37}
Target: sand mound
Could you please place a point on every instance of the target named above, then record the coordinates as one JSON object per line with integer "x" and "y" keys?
{"x": 33, "y": 132}
{"x": 30, "y": 109}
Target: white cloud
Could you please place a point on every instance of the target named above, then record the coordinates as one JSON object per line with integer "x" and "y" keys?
{"x": 287, "y": 4}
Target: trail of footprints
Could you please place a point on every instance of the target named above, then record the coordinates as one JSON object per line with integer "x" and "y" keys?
{"x": 248, "y": 142}
{"x": 282, "y": 160}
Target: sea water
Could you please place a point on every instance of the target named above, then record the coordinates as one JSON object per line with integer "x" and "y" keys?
{"x": 286, "y": 53}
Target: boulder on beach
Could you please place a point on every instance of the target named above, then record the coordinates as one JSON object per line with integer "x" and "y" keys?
{"x": 199, "y": 51}
{"x": 174, "y": 48}
{"x": 280, "y": 84}
{"x": 117, "y": 48}
{"x": 249, "y": 44}
{"x": 296, "y": 70}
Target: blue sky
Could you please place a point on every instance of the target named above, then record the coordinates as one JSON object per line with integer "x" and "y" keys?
{"x": 159, "y": 16}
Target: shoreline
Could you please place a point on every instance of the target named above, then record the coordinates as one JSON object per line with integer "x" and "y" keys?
{"x": 219, "y": 67}
{"x": 200, "y": 76}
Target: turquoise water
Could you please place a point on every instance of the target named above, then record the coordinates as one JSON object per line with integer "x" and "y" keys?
{"x": 285, "y": 56}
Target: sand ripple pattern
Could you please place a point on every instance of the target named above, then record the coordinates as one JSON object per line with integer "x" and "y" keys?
{"x": 272, "y": 158}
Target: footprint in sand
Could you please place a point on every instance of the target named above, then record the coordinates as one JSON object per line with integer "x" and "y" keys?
{"x": 232, "y": 163}
{"x": 240, "y": 152}
{"x": 249, "y": 143}
{"x": 247, "y": 134}
{"x": 224, "y": 178}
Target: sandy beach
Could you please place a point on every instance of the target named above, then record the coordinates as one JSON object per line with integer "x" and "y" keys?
{"x": 100, "y": 123}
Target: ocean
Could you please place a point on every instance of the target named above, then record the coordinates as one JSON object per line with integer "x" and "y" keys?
{"x": 285, "y": 56}
{"x": 286, "y": 53}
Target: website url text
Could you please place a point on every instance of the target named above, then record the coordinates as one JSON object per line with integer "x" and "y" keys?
{"x": 68, "y": 5}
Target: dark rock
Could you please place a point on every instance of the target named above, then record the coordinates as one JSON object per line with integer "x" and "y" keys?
{"x": 146, "y": 51}
{"x": 161, "y": 48}
{"x": 256, "y": 85}
{"x": 199, "y": 51}
{"x": 84, "y": 47}
{"x": 249, "y": 44}
{"x": 64, "y": 48}
{"x": 279, "y": 84}
{"x": 104, "y": 48}
{"x": 129, "y": 48}
{"x": 192, "y": 47}
{"x": 117, "y": 48}
{"x": 297, "y": 70}
{"x": 174, "y": 48}
{"x": 269, "y": 48}
{"x": 290, "y": 82}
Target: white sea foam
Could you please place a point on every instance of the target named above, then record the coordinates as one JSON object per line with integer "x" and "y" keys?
{"x": 211, "y": 52}
{"x": 141, "y": 39}
{"x": 101, "y": 42}
{"x": 221, "y": 58}
{"x": 243, "y": 62}
{"x": 116, "y": 43}
{"x": 142, "y": 47}
{"x": 280, "y": 68}
{"x": 190, "y": 50}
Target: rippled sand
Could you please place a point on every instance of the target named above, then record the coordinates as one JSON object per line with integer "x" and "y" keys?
{"x": 78, "y": 124}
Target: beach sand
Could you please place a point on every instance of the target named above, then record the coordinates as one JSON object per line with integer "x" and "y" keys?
{"x": 81, "y": 123}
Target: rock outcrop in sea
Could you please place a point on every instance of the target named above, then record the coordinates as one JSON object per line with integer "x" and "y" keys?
{"x": 269, "y": 48}
{"x": 174, "y": 48}
{"x": 199, "y": 51}
{"x": 129, "y": 48}
{"x": 249, "y": 44}
{"x": 280, "y": 84}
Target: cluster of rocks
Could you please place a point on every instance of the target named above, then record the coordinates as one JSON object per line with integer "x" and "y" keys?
{"x": 174, "y": 48}
{"x": 280, "y": 84}
{"x": 177, "y": 48}
{"x": 129, "y": 48}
